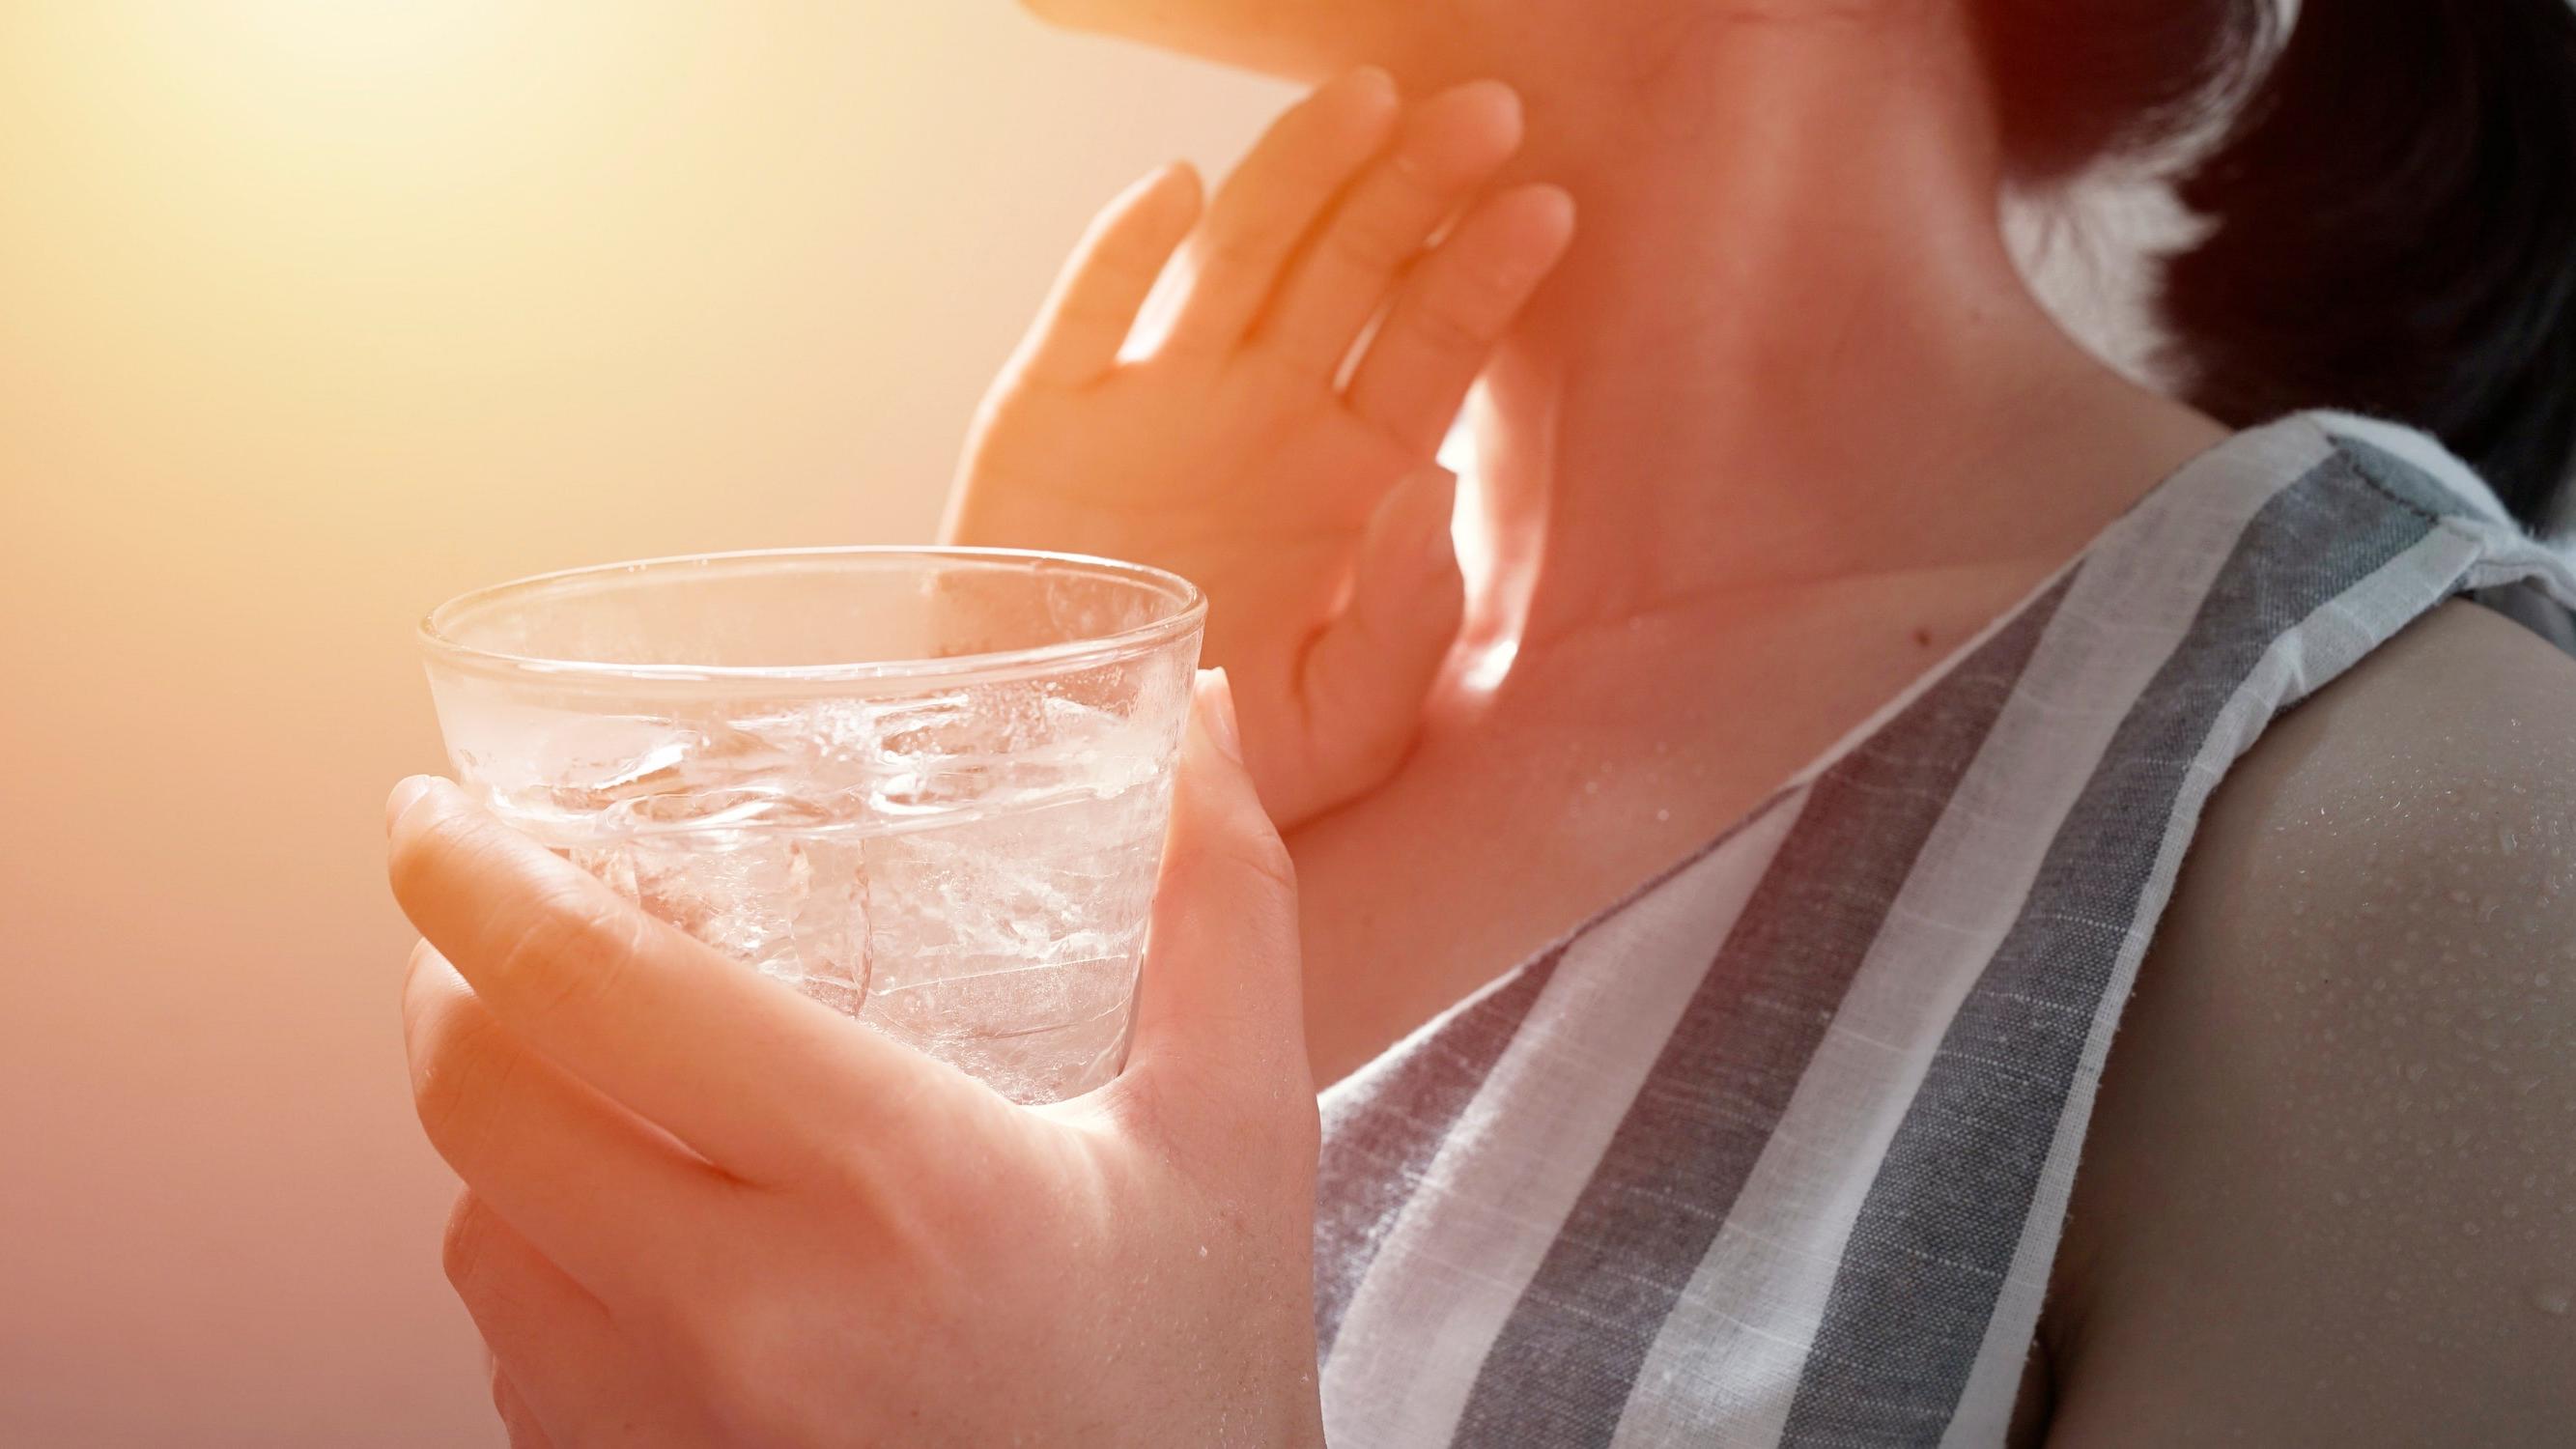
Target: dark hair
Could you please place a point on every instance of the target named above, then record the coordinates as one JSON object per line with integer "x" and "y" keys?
{"x": 2391, "y": 200}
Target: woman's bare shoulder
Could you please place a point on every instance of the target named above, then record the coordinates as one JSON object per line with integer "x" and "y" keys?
{"x": 2330, "y": 1192}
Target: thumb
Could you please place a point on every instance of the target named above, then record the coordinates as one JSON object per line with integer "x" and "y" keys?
{"x": 1219, "y": 1011}
{"x": 1365, "y": 676}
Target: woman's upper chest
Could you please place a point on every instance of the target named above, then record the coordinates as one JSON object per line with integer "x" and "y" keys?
{"x": 1520, "y": 816}
{"x": 1495, "y": 841}
{"x": 1458, "y": 870}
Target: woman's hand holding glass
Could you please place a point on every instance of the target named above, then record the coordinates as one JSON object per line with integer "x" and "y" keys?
{"x": 703, "y": 1209}
{"x": 700, "y": 1208}
{"x": 1269, "y": 431}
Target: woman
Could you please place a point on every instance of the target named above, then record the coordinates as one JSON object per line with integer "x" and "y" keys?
{"x": 1895, "y": 644}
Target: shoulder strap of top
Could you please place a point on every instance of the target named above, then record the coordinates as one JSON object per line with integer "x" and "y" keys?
{"x": 2528, "y": 602}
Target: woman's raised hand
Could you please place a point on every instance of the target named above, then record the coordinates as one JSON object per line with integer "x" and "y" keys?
{"x": 701, "y": 1209}
{"x": 1272, "y": 438}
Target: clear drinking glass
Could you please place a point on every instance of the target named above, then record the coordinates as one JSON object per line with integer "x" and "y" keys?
{"x": 926, "y": 787}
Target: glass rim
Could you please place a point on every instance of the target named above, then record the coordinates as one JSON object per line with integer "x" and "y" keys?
{"x": 1190, "y": 614}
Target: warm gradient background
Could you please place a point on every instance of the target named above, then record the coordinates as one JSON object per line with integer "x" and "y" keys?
{"x": 313, "y": 312}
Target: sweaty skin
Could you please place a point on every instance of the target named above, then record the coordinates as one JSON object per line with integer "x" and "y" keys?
{"x": 1784, "y": 426}
{"x": 2330, "y": 1193}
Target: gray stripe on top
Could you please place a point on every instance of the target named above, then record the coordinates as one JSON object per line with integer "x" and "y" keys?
{"x": 1377, "y": 1152}
{"x": 2403, "y": 482}
{"x": 1945, "y": 1213}
{"x": 1562, "y": 1367}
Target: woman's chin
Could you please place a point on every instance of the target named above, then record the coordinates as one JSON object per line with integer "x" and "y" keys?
{"x": 1300, "y": 40}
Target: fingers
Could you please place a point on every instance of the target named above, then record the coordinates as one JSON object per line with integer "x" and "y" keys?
{"x": 1104, "y": 287}
{"x": 1219, "y": 1007}
{"x": 1370, "y": 669}
{"x": 549, "y": 1154}
{"x": 1449, "y": 146}
{"x": 753, "y": 1077}
{"x": 1454, "y": 308}
{"x": 1270, "y": 202}
{"x": 562, "y": 1372}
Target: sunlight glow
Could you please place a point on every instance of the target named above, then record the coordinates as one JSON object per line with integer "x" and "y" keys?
{"x": 383, "y": 38}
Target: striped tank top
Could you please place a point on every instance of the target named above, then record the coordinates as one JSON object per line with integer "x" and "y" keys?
{"x": 1777, "y": 1150}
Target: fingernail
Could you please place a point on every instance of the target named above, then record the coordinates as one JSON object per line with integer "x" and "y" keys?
{"x": 1561, "y": 208}
{"x": 406, "y": 792}
{"x": 1502, "y": 94}
{"x": 1216, "y": 712}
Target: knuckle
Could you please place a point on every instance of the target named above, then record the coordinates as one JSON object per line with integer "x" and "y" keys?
{"x": 1264, "y": 856}
{"x": 465, "y": 1247}
{"x": 1445, "y": 327}
{"x": 419, "y": 984}
{"x": 464, "y": 1069}
{"x": 1377, "y": 245}
{"x": 571, "y": 951}
{"x": 1476, "y": 300}
{"x": 423, "y": 853}
{"x": 1242, "y": 247}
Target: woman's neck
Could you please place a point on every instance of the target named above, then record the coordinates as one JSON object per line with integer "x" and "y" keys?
{"x": 1790, "y": 349}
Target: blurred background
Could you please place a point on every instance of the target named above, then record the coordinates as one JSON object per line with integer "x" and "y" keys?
{"x": 312, "y": 313}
